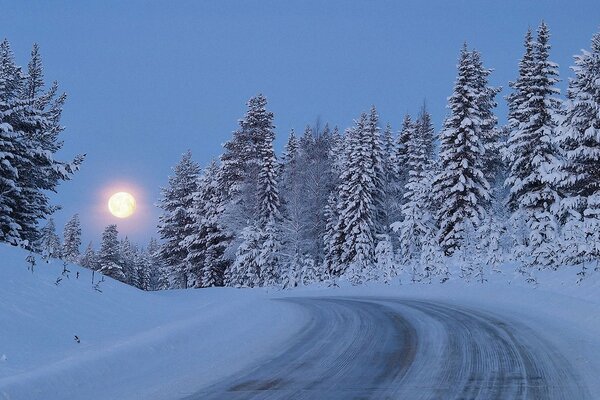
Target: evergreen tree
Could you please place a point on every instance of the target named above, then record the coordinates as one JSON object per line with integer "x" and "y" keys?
{"x": 379, "y": 175}
{"x": 29, "y": 140}
{"x": 176, "y": 221}
{"x": 416, "y": 222}
{"x": 531, "y": 151}
{"x": 89, "y": 258}
{"x": 245, "y": 269}
{"x": 579, "y": 139}
{"x": 425, "y": 129}
{"x": 460, "y": 187}
{"x": 109, "y": 260}
{"x": 354, "y": 232}
{"x": 207, "y": 241}
{"x": 71, "y": 240}
{"x": 49, "y": 242}
{"x": 402, "y": 152}
{"x": 128, "y": 253}
{"x": 241, "y": 163}
{"x": 159, "y": 277}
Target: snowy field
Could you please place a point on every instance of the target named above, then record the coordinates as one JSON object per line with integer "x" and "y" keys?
{"x": 171, "y": 344}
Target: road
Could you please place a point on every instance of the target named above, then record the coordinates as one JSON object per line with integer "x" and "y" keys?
{"x": 384, "y": 348}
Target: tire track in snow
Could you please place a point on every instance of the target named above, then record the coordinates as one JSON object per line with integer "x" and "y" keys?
{"x": 386, "y": 348}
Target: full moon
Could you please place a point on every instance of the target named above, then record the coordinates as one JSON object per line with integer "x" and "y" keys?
{"x": 121, "y": 204}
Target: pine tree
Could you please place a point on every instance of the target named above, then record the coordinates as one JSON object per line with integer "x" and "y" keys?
{"x": 579, "y": 139}
{"x": 49, "y": 242}
{"x": 127, "y": 259}
{"x": 109, "y": 262}
{"x": 176, "y": 221}
{"x": 207, "y": 241}
{"x": 159, "y": 277}
{"x": 71, "y": 240}
{"x": 241, "y": 163}
{"x": 354, "y": 232}
{"x": 416, "y": 222}
{"x": 34, "y": 118}
{"x": 245, "y": 269}
{"x": 532, "y": 154}
{"x": 89, "y": 258}
{"x": 460, "y": 187}
{"x": 379, "y": 175}
{"x": 393, "y": 191}
{"x": 402, "y": 152}
{"x": 426, "y": 131}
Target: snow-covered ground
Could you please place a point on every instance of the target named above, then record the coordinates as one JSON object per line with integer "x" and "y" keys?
{"x": 167, "y": 345}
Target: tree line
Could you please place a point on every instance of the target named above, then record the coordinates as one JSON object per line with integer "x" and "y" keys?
{"x": 363, "y": 204}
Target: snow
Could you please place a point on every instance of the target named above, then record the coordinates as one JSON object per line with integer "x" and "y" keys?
{"x": 157, "y": 345}
{"x": 134, "y": 344}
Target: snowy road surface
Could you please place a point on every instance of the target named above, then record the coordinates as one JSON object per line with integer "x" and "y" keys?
{"x": 385, "y": 348}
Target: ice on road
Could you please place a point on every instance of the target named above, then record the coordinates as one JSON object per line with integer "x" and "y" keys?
{"x": 386, "y": 348}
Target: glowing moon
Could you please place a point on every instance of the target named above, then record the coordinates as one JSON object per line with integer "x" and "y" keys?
{"x": 121, "y": 204}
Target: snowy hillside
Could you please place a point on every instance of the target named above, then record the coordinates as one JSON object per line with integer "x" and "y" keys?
{"x": 171, "y": 344}
{"x": 134, "y": 344}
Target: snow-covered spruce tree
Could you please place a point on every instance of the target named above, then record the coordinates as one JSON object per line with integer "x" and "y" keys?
{"x": 532, "y": 153}
{"x": 89, "y": 259}
{"x": 127, "y": 258}
{"x": 293, "y": 200}
{"x": 29, "y": 140}
{"x": 379, "y": 175}
{"x": 109, "y": 262}
{"x": 254, "y": 263}
{"x": 269, "y": 214}
{"x": 240, "y": 167}
{"x": 245, "y": 270}
{"x": 415, "y": 224}
{"x": 426, "y": 131}
{"x": 317, "y": 181}
{"x": 460, "y": 187}
{"x": 143, "y": 269}
{"x": 159, "y": 277}
{"x": 176, "y": 219}
{"x": 71, "y": 240}
{"x": 385, "y": 260}
{"x": 393, "y": 191}
{"x": 207, "y": 241}
{"x": 11, "y": 148}
{"x": 354, "y": 233}
{"x": 49, "y": 242}
{"x": 402, "y": 154}
{"x": 579, "y": 180}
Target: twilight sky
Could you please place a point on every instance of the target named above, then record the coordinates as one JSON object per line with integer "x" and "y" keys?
{"x": 149, "y": 79}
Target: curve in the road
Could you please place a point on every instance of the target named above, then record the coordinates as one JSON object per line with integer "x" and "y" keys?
{"x": 378, "y": 348}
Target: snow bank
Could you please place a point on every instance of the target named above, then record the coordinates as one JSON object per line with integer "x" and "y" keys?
{"x": 133, "y": 344}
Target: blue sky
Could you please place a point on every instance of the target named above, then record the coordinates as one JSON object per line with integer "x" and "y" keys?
{"x": 149, "y": 79}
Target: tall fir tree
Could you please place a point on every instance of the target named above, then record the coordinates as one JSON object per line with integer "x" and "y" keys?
{"x": 29, "y": 140}
{"x": 71, "y": 239}
{"x": 460, "y": 188}
{"x": 176, "y": 221}
{"x": 532, "y": 152}
{"x": 579, "y": 140}
{"x": 416, "y": 222}
{"x": 109, "y": 256}
{"x": 89, "y": 258}
{"x": 354, "y": 233}
{"x": 49, "y": 242}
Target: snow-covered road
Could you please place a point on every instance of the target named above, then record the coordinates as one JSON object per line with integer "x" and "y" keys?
{"x": 389, "y": 348}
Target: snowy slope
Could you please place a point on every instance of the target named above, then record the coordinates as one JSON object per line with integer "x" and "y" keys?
{"x": 134, "y": 345}
{"x": 167, "y": 345}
